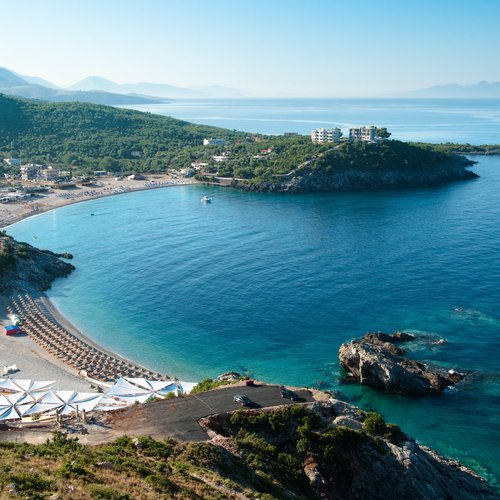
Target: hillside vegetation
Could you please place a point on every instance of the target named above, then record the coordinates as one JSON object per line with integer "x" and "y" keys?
{"x": 290, "y": 452}
{"x": 93, "y": 135}
{"x": 88, "y": 137}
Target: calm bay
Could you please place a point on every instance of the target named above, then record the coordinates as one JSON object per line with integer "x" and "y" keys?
{"x": 271, "y": 285}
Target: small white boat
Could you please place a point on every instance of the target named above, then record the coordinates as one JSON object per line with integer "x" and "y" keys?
{"x": 206, "y": 199}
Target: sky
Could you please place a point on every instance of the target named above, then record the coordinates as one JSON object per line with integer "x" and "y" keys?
{"x": 267, "y": 47}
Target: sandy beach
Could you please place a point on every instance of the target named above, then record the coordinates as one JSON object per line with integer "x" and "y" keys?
{"x": 33, "y": 358}
{"x": 34, "y": 362}
{"x": 13, "y": 212}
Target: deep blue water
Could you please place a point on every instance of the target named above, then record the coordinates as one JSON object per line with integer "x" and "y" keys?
{"x": 476, "y": 121}
{"x": 271, "y": 285}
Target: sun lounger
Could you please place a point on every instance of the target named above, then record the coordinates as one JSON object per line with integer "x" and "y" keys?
{"x": 7, "y": 370}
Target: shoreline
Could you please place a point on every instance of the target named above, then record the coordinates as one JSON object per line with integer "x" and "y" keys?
{"x": 46, "y": 202}
{"x": 50, "y": 336}
{"x": 33, "y": 360}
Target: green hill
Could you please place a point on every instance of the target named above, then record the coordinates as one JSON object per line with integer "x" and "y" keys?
{"x": 88, "y": 133}
{"x": 89, "y": 137}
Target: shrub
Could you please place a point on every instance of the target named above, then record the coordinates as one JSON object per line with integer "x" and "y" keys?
{"x": 74, "y": 468}
{"x": 104, "y": 493}
{"x": 374, "y": 423}
{"x": 30, "y": 483}
{"x": 207, "y": 385}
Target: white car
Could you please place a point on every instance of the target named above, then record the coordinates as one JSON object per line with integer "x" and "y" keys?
{"x": 243, "y": 400}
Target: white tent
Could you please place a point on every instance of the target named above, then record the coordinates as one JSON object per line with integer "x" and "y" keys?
{"x": 109, "y": 403}
{"x": 141, "y": 389}
{"x": 10, "y": 414}
{"x": 24, "y": 397}
{"x": 77, "y": 401}
{"x": 24, "y": 385}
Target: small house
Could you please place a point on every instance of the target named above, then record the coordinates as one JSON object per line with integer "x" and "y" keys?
{"x": 11, "y": 329}
{"x": 136, "y": 177}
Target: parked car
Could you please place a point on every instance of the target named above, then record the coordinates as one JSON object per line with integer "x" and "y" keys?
{"x": 243, "y": 400}
{"x": 287, "y": 393}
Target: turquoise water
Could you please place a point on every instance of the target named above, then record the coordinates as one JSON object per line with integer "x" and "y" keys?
{"x": 271, "y": 285}
{"x": 476, "y": 121}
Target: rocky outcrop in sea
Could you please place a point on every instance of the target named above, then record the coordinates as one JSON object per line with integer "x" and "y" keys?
{"x": 24, "y": 268}
{"x": 375, "y": 360}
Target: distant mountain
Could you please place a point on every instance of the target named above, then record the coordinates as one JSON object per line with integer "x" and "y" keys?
{"x": 8, "y": 78}
{"x": 12, "y": 84}
{"x": 152, "y": 89}
{"x": 38, "y": 81}
{"x": 454, "y": 90}
{"x": 156, "y": 89}
{"x": 96, "y": 83}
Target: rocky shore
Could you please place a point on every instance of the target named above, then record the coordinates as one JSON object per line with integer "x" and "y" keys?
{"x": 341, "y": 452}
{"x": 375, "y": 360}
{"x": 26, "y": 268}
{"x": 302, "y": 181}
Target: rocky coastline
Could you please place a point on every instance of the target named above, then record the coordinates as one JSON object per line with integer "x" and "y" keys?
{"x": 25, "y": 268}
{"x": 342, "y": 452}
{"x": 308, "y": 181}
{"x": 377, "y": 361}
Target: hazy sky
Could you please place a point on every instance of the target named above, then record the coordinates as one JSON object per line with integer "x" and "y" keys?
{"x": 268, "y": 47}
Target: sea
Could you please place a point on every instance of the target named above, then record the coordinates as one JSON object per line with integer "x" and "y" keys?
{"x": 270, "y": 285}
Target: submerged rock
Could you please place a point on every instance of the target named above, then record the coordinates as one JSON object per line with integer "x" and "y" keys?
{"x": 229, "y": 376}
{"x": 376, "y": 361}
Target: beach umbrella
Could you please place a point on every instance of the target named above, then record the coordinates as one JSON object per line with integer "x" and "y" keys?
{"x": 24, "y": 385}
{"x": 187, "y": 387}
{"x": 109, "y": 403}
{"x": 85, "y": 401}
{"x": 10, "y": 414}
{"x": 7, "y": 384}
{"x": 24, "y": 403}
{"x": 124, "y": 389}
{"x": 5, "y": 404}
{"x": 73, "y": 401}
{"x": 46, "y": 403}
{"x": 129, "y": 394}
{"x": 9, "y": 405}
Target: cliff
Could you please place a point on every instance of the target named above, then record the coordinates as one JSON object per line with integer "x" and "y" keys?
{"x": 329, "y": 450}
{"x": 26, "y": 268}
{"x": 335, "y": 450}
{"x": 368, "y": 166}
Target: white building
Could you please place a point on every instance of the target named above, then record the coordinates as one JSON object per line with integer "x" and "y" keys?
{"x": 49, "y": 174}
{"x": 219, "y": 159}
{"x": 199, "y": 165}
{"x": 30, "y": 172}
{"x": 214, "y": 142}
{"x": 326, "y": 135}
{"x": 13, "y": 162}
{"x": 367, "y": 134}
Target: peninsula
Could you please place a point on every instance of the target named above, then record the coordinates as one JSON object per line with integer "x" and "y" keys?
{"x": 76, "y": 139}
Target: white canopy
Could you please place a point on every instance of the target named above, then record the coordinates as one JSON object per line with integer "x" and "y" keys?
{"x": 24, "y": 385}
{"x": 141, "y": 389}
{"x": 24, "y": 397}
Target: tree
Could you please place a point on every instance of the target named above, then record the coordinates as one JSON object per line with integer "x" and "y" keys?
{"x": 382, "y": 133}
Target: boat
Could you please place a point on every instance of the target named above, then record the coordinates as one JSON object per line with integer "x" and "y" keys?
{"x": 206, "y": 199}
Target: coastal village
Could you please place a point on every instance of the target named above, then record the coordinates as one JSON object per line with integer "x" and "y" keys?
{"x": 34, "y": 187}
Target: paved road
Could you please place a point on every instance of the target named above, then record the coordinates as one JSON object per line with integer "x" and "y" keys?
{"x": 179, "y": 417}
